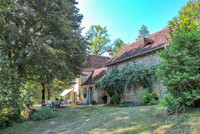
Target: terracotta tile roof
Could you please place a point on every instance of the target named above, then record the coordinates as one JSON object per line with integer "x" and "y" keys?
{"x": 138, "y": 48}
{"x": 95, "y": 62}
{"x": 96, "y": 75}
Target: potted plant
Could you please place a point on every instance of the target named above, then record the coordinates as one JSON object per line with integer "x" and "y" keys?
{"x": 93, "y": 102}
{"x": 115, "y": 99}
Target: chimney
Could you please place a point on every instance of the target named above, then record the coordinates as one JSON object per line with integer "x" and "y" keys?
{"x": 148, "y": 41}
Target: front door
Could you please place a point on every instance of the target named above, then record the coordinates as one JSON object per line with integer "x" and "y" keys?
{"x": 91, "y": 94}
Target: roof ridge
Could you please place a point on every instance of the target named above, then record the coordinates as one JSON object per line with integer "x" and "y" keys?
{"x": 158, "y": 31}
{"x": 137, "y": 47}
{"x": 147, "y": 36}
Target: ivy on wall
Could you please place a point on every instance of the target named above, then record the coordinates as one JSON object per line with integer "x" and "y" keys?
{"x": 119, "y": 80}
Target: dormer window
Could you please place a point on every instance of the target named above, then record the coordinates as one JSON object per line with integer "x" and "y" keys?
{"x": 148, "y": 41}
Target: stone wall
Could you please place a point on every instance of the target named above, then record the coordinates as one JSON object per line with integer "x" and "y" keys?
{"x": 145, "y": 60}
{"x": 99, "y": 93}
{"x": 132, "y": 95}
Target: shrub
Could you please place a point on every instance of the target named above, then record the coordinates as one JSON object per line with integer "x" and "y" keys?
{"x": 180, "y": 65}
{"x": 115, "y": 99}
{"x": 93, "y": 102}
{"x": 43, "y": 114}
{"x": 148, "y": 98}
{"x": 4, "y": 119}
{"x": 171, "y": 105}
{"x": 56, "y": 105}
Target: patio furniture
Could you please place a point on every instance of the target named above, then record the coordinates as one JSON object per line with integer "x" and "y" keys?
{"x": 84, "y": 102}
{"x": 63, "y": 102}
{"x": 49, "y": 103}
{"x": 69, "y": 101}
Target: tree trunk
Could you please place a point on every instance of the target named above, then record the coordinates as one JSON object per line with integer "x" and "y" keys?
{"x": 43, "y": 93}
{"x": 49, "y": 93}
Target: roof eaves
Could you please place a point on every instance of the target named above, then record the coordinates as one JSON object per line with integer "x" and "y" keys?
{"x": 136, "y": 55}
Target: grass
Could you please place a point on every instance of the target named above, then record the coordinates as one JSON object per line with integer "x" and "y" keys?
{"x": 111, "y": 119}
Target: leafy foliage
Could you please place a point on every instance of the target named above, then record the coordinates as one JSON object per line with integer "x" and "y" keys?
{"x": 40, "y": 41}
{"x": 93, "y": 102}
{"x": 43, "y": 38}
{"x": 115, "y": 99}
{"x": 117, "y": 45}
{"x": 119, "y": 80}
{"x": 171, "y": 105}
{"x": 180, "y": 70}
{"x": 98, "y": 39}
{"x": 191, "y": 11}
{"x": 28, "y": 99}
{"x": 11, "y": 97}
{"x": 43, "y": 114}
{"x": 143, "y": 32}
{"x": 148, "y": 98}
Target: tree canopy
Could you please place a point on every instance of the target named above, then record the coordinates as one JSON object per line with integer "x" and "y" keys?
{"x": 40, "y": 41}
{"x": 191, "y": 11}
{"x": 180, "y": 61}
{"x": 117, "y": 45}
{"x": 143, "y": 32}
{"x": 98, "y": 40}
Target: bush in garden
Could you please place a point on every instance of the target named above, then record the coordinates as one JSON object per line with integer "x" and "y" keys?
{"x": 180, "y": 70}
{"x": 43, "y": 114}
{"x": 4, "y": 119}
{"x": 148, "y": 98}
{"x": 114, "y": 99}
{"x": 171, "y": 105}
{"x": 93, "y": 102}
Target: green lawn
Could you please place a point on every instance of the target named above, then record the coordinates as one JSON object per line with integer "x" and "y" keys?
{"x": 110, "y": 119}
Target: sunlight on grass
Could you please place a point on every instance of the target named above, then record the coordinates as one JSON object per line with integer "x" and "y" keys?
{"x": 163, "y": 129}
{"x": 143, "y": 110}
{"x": 121, "y": 118}
{"x": 87, "y": 120}
{"x": 102, "y": 119}
{"x": 123, "y": 130}
{"x": 53, "y": 122}
{"x": 145, "y": 132}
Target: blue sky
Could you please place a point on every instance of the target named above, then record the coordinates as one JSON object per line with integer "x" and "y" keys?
{"x": 123, "y": 18}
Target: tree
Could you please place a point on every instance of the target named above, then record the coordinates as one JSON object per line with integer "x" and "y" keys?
{"x": 191, "y": 11}
{"x": 98, "y": 39}
{"x": 180, "y": 61}
{"x": 42, "y": 39}
{"x": 53, "y": 89}
{"x": 180, "y": 64}
{"x": 11, "y": 85}
{"x": 56, "y": 87}
{"x": 117, "y": 45}
{"x": 143, "y": 32}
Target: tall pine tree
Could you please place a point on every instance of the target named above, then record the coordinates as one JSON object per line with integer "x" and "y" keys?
{"x": 143, "y": 32}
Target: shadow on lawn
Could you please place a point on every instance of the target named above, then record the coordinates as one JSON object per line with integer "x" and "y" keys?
{"x": 105, "y": 119}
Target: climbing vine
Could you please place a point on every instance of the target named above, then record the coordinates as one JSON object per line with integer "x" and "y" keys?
{"x": 119, "y": 80}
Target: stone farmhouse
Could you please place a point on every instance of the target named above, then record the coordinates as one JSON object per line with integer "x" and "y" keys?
{"x": 142, "y": 52}
{"x": 83, "y": 91}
